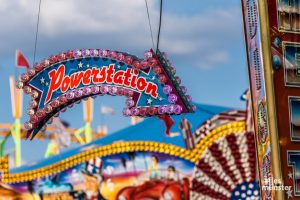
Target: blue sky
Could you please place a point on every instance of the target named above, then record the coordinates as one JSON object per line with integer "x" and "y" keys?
{"x": 204, "y": 40}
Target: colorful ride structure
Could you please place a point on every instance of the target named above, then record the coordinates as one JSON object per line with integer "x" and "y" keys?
{"x": 213, "y": 158}
{"x": 150, "y": 160}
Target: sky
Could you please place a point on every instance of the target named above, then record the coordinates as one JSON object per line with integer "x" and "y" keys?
{"x": 203, "y": 39}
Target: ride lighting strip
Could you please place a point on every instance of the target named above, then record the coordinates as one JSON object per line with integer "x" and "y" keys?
{"x": 121, "y": 147}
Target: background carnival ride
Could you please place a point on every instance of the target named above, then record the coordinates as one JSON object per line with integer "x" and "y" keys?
{"x": 218, "y": 159}
{"x": 59, "y": 132}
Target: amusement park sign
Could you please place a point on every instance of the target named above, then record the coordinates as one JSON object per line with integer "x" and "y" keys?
{"x": 130, "y": 78}
{"x": 58, "y": 82}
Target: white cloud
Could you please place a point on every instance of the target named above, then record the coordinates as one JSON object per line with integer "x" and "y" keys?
{"x": 92, "y": 16}
{"x": 201, "y": 39}
{"x": 214, "y": 59}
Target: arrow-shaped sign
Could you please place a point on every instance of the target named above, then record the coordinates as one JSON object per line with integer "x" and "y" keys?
{"x": 149, "y": 84}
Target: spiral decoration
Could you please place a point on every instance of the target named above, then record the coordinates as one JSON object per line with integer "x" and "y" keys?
{"x": 226, "y": 169}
